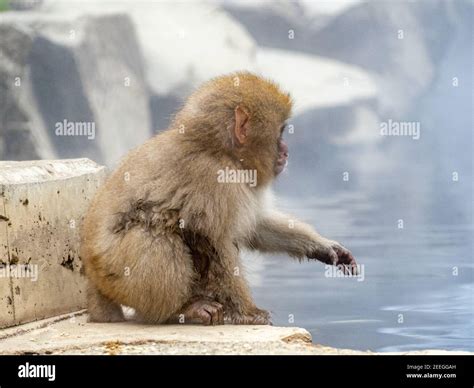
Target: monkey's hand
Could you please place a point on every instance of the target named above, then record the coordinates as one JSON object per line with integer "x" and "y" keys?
{"x": 332, "y": 253}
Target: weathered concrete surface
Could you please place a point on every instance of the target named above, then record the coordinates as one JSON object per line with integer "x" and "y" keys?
{"x": 71, "y": 334}
{"x": 41, "y": 207}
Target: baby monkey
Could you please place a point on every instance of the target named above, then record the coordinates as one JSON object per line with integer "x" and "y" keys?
{"x": 163, "y": 234}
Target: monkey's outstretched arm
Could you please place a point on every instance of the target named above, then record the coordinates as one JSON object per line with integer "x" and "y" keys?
{"x": 281, "y": 233}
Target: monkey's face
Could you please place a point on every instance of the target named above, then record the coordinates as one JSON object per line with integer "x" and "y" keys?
{"x": 282, "y": 153}
{"x": 258, "y": 141}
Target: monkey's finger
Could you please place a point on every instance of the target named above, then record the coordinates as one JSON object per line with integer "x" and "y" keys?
{"x": 333, "y": 257}
{"x": 350, "y": 269}
{"x": 221, "y": 316}
{"x": 214, "y": 314}
{"x": 220, "y": 312}
{"x": 204, "y": 316}
{"x": 349, "y": 256}
{"x": 351, "y": 265}
{"x": 345, "y": 269}
{"x": 344, "y": 258}
{"x": 344, "y": 254}
{"x": 355, "y": 270}
{"x": 351, "y": 262}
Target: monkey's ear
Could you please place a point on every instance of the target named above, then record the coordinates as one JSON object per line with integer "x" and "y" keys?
{"x": 242, "y": 125}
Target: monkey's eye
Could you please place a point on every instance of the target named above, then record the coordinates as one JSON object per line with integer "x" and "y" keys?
{"x": 282, "y": 129}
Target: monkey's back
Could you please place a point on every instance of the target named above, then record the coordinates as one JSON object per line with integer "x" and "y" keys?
{"x": 157, "y": 184}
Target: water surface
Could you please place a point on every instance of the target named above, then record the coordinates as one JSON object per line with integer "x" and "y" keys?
{"x": 418, "y": 290}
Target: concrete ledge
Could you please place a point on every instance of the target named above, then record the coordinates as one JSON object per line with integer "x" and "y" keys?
{"x": 41, "y": 207}
{"x": 71, "y": 334}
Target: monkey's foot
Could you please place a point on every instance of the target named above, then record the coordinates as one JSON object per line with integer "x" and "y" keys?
{"x": 204, "y": 311}
{"x": 258, "y": 317}
{"x": 115, "y": 316}
{"x": 101, "y": 308}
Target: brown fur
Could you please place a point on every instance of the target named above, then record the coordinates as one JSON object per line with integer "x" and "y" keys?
{"x": 162, "y": 231}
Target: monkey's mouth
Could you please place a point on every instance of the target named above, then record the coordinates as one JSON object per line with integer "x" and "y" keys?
{"x": 281, "y": 163}
{"x": 282, "y": 158}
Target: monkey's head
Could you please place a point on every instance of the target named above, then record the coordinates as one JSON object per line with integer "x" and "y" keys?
{"x": 241, "y": 115}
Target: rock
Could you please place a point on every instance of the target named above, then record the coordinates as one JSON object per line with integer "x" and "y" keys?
{"x": 184, "y": 44}
{"x": 41, "y": 208}
{"x": 21, "y": 5}
{"x": 74, "y": 86}
{"x": 316, "y": 82}
{"x": 400, "y": 43}
{"x": 17, "y": 139}
{"x": 271, "y": 23}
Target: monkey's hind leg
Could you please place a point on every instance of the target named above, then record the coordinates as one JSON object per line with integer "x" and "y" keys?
{"x": 101, "y": 308}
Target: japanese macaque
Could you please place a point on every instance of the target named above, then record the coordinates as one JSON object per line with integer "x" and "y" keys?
{"x": 163, "y": 234}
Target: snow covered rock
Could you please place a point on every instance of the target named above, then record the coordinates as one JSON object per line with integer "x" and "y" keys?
{"x": 73, "y": 85}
